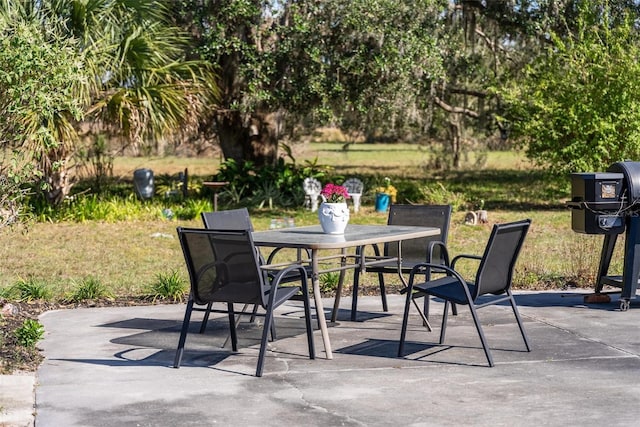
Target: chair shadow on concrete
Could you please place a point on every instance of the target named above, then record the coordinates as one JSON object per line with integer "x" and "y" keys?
{"x": 345, "y": 315}
{"x": 423, "y": 353}
{"x": 154, "y": 342}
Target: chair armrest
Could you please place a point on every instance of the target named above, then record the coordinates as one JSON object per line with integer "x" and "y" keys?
{"x": 427, "y": 267}
{"x": 274, "y": 252}
{"x": 443, "y": 251}
{"x": 464, "y": 256}
{"x": 285, "y": 271}
{"x": 360, "y": 250}
{"x": 424, "y": 267}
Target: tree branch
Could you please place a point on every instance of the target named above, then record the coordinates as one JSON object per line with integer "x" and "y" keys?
{"x": 451, "y": 109}
{"x": 462, "y": 91}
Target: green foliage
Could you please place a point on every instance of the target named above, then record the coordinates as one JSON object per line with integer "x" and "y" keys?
{"x": 437, "y": 194}
{"x": 279, "y": 185}
{"x": 8, "y": 293}
{"x": 96, "y": 161}
{"x": 329, "y": 281}
{"x": 90, "y": 288}
{"x": 41, "y": 97}
{"x": 119, "y": 63}
{"x": 13, "y": 193}
{"x": 168, "y": 287}
{"x": 169, "y": 186}
{"x": 87, "y": 207}
{"x": 113, "y": 208}
{"x": 40, "y": 66}
{"x": 29, "y": 333}
{"x": 31, "y": 290}
{"x": 192, "y": 208}
{"x": 577, "y": 109}
{"x": 369, "y": 70}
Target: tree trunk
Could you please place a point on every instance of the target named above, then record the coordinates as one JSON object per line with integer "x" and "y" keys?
{"x": 55, "y": 168}
{"x": 252, "y": 138}
{"x": 456, "y": 138}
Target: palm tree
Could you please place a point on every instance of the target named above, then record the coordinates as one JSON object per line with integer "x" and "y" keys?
{"x": 131, "y": 77}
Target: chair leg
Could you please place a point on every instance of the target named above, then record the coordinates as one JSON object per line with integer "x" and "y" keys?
{"x": 237, "y": 322}
{"x": 520, "y": 324}
{"x": 307, "y": 321}
{"x": 405, "y": 321}
{"x": 232, "y": 327}
{"x": 485, "y": 347}
{"x": 336, "y": 300}
{"x": 205, "y": 319}
{"x": 383, "y": 292}
{"x": 253, "y": 313}
{"x": 443, "y": 327}
{"x": 263, "y": 342}
{"x": 354, "y": 298}
{"x": 183, "y": 334}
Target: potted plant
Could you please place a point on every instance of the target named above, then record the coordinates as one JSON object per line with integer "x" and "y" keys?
{"x": 334, "y": 212}
{"x": 385, "y": 195}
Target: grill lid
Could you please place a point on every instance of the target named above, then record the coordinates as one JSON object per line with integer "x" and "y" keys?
{"x": 631, "y": 182}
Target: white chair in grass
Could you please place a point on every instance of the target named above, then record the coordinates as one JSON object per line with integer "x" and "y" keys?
{"x": 312, "y": 188}
{"x": 355, "y": 188}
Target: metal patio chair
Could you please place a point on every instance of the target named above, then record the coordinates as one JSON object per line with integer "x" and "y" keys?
{"x": 224, "y": 266}
{"x": 239, "y": 219}
{"x": 312, "y": 188}
{"x": 492, "y": 281}
{"x": 355, "y": 188}
{"x": 231, "y": 219}
{"x": 426, "y": 249}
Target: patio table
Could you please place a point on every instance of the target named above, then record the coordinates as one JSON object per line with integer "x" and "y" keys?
{"x": 311, "y": 239}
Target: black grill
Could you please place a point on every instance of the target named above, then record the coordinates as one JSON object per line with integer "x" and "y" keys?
{"x": 608, "y": 203}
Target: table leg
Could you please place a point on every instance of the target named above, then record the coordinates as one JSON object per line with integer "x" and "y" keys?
{"x": 317, "y": 295}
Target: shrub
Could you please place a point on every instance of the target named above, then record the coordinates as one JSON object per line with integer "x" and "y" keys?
{"x": 192, "y": 208}
{"x": 29, "y": 333}
{"x": 31, "y": 290}
{"x": 89, "y": 289}
{"x": 168, "y": 286}
{"x": 275, "y": 185}
{"x": 438, "y": 195}
{"x": 329, "y": 281}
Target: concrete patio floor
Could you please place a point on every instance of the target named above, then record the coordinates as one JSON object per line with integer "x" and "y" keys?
{"x": 112, "y": 367}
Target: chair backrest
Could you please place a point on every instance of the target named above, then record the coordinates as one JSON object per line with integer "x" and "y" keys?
{"x": 498, "y": 261}
{"x": 232, "y": 219}
{"x": 311, "y": 186}
{"x": 223, "y": 266}
{"x": 353, "y": 186}
{"x": 414, "y": 250}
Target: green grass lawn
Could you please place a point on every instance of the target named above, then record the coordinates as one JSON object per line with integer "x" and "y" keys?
{"x": 127, "y": 256}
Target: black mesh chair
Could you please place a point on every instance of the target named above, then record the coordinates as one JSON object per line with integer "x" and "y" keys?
{"x": 414, "y": 251}
{"x": 224, "y": 266}
{"x": 492, "y": 281}
{"x": 239, "y": 219}
{"x": 231, "y": 219}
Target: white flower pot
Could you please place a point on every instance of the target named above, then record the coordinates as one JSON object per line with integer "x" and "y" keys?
{"x": 334, "y": 217}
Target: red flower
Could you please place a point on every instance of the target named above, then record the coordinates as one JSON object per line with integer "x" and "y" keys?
{"x": 334, "y": 193}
